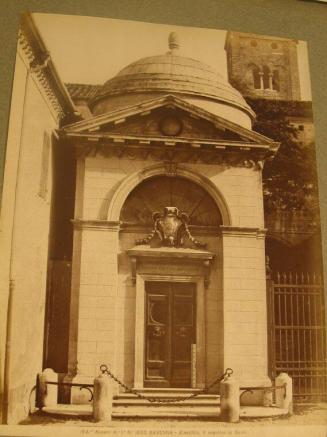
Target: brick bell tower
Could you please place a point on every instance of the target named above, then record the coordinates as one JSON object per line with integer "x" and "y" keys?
{"x": 263, "y": 66}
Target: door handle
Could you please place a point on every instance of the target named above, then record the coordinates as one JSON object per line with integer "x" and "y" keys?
{"x": 158, "y": 331}
{"x": 181, "y": 331}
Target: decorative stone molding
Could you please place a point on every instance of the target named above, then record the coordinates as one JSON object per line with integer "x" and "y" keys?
{"x": 171, "y": 168}
{"x": 129, "y": 183}
{"x": 227, "y": 143}
{"x": 98, "y": 225}
{"x": 40, "y": 65}
{"x": 202, "y": 257}
{"x": 243, "y": 231}
{"x": 213, "y": 231}
{"x": 240, "y": 155}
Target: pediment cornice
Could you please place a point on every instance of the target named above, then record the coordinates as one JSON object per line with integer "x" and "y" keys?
{"x": 169, "y": 101}
{"x": 234, "y": 142}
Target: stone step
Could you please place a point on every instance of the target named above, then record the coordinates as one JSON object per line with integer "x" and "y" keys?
{"x": 136, "y": 412}
{"x": 168, "y": 390}
{"x": 165, "y": 415}
{"x": 151, "y": 407}
{"x": 162, "y": 411}
{"x": 69, "y": 410}
{"x": 195, "y": 413}
{"x": 201, "y": 400}
{"x": 145, "y": 403}
{"x": 129, "y": 396}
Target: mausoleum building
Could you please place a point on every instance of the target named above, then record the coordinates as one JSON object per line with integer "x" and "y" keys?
{"x": 168, "y": 267}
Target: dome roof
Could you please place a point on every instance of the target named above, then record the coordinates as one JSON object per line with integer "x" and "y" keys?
{"x": 172, "y": 73}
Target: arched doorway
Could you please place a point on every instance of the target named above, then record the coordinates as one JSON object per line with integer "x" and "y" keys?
{"x": 171, "y": 345}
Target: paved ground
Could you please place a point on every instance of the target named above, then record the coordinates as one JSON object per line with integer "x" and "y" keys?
{"x": 309, "y": 420}
{"x": 304, "y": 414}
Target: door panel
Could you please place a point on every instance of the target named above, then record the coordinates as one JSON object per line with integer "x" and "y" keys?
{"x": 157, "y": 336}
{"x": 170, "y": 332}
{"x": 183, "y": 334}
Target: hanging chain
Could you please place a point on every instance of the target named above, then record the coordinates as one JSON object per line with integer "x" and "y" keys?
{"x": 104, "y": 369}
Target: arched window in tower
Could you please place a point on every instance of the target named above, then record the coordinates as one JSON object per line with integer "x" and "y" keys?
{"x": 275, "y": 80}
{"x": 256, "y": 78}
{"x": 267, "y": 85}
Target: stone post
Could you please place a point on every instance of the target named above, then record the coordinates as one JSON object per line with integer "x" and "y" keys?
{"x": 229, "y": 400}
{"x": 284, "y": 397}
{"x": 102, "y": 399}
{"x": 47, "y": 393}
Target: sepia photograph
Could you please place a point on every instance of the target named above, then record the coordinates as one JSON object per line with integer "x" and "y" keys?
{"x": 161, "y": 251}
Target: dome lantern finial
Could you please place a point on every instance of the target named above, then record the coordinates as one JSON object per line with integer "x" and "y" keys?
{"x": 173, "y": 41}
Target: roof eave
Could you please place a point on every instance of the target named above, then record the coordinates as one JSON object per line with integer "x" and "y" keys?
{"x": 155, "y": 103}
{"x": 40, "y": 52}
{"x": 194, "y": 143}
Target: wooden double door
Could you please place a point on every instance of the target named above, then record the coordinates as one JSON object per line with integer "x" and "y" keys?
{"x": 170, "y": 329}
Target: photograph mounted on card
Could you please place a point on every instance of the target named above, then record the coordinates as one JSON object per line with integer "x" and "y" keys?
{"x": 162, "y": 227}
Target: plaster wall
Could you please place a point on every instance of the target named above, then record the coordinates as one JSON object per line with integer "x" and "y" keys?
{"x": 24, "y": 232}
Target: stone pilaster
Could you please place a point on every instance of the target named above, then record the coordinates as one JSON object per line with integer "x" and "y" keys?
{"x": 93, "y": 302}
{"x": 244, "y": 305}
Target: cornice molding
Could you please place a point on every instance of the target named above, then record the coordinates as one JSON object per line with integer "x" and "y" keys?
{"x": 89, "y": 138}
{"x": 211, "y": 231}
{"x": 98, "y": 225}
{"x": 187, "y": 153}
{"x": 135, "y": 227}
{"x": 41, "y": 66}
{"x": 171, "y": 254}
{"x": 235, "y": 231}
{"x": 167, "y": 101}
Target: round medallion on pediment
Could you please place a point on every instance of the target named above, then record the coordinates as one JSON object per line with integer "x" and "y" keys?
{"x": 171, "y": 126}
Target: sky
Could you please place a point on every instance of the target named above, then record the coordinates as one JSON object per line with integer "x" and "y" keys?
{"x": 91, "y": 50}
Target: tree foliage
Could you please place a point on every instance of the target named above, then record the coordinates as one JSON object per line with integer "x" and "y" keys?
{"x": 289, "y": 179}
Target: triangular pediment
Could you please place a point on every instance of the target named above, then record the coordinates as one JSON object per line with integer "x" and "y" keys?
{"x": 169, "y": 118}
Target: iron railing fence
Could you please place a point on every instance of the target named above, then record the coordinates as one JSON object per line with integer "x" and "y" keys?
{"x": 297, "y": 335}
